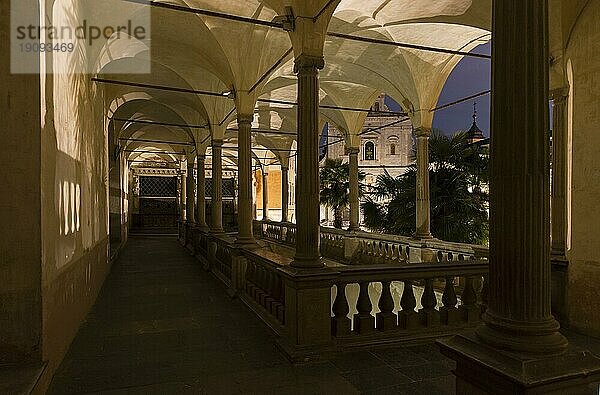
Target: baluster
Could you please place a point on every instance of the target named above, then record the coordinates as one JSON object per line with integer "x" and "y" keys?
{"x": 250, "y": 273}
{"x": 264, "y": 286}
{"x": 281, "y": 306}
{"x": 395, "y": 255}
{"x": 258, "y": 294}
{"x": 364, "y": 322}
{"x": 449, "y": 312}
{"x": 276, "y": 294}
{"x": 340, "y": 323}
{"x": 469, "y": 309}
{"x": 407, "y": 317}
{"x": 386, "y": 319}
{"x": 271, "y": 292}
{"x": 484, "y": 294}
{"x": 430, "y": 317}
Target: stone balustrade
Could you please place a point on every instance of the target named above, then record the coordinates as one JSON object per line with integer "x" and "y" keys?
{"x": 362, "y": 248}
{"x": 410, "y": 301}
{"x": 382, "y": 301}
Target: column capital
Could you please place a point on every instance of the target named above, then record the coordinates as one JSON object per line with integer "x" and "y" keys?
{"x": 216, "y": 143}
{"x": 352, "y": 150}
{"x": 423, "y": 132}
{"x": 285, "y": 168}
{"x": 559, "y": 94}
{"x": 308, "y": 63}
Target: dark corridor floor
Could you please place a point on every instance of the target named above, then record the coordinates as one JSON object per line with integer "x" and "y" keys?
{"x": 162, "y": 325}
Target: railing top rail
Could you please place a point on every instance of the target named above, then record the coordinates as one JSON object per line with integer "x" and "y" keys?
{"x": 434, "y": 243}
{"x": 413, "y": 271}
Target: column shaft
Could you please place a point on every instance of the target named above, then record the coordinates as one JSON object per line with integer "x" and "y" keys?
{"x": 353, "y": 181}
{"x": 182, "y": 196}
{"x": 559, "y": 173}
{"x": 245, "y": 236}
{"x": 518, "y": 317}
{"x": 265, "y": 199}
{"x": 307, "y": 187}
{"x": 190, "y": 198}
{"x": 423, "y": 214}
{"x": 201, "y": 192}
{"x": 285, "y": 193}
{"x": 217, "y": 187}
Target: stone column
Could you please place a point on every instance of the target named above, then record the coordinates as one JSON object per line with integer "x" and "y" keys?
{"x": 285, "y": 193}
{"x": 519, "y": 349}
{"x": 307, "y": 173}
{"x": 190, "y": 198}
{"x": 559, "y": 174}
{"x": 518, "y": 317}
{"x": 353, "y": 180}
{"x": 201, "y": 192}
{"x": 265, "y": 191}
{"x": 423, "y": 223}
{"x": 245, "y": 236}
{"x": 217, "y": 187}
{"x": 182, "y": 196}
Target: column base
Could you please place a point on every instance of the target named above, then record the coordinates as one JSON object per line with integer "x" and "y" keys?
{"x": 246, "y": 242}
{"x": 423, "y": 236}
{"x": 532, "y": 338}
{"x": 203, "y": 227}
{"x": 482, "y": 369}
{"x": 217, "y": 232}
{"x": 558, "y": 257}
{"x": 307, "y": 263}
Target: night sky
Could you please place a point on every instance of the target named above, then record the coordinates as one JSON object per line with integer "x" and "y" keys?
{"x": 471, "y": 76}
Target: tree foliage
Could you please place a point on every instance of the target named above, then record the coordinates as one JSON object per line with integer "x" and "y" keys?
{"x": 335, "y": 187}
{"x": 458, "y": 178}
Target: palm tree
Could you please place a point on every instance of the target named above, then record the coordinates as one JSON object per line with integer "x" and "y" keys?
{"x": 459, "y": 199}
{"x": 335, "y": 187}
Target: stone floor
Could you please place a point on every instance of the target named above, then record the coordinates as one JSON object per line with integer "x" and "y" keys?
{"x": 162, "y": 325}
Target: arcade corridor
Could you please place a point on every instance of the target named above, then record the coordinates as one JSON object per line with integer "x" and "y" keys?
{"x": 163, "y": 325}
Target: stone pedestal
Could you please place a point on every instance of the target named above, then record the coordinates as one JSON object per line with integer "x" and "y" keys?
{"x": 482, "y": 369}
{"x": 307, "y": 312}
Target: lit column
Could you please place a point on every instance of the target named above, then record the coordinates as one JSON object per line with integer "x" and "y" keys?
{"x": 201, "y": 192}
{"x": 245, "y": 236}
{"x": 265, "y": 190}
{"x": 217, "y": 187}
{"x": 190, "y": 189}
{"x": 518, "y": 317}
{"x": 353, "y": 180}
{"x": 423, "y": 204}
{"x": 519, "y": 348}
{"x": 285, "y": 193}
{"x": 307, "y": 186}
{"x": 182, "y": 195}
{"x": 559, "y": 174}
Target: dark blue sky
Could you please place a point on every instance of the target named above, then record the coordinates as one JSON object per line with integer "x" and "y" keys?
{"x": 470, "y": 76}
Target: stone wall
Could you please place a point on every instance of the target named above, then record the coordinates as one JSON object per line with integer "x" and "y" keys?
{"x": 583, "y": 51}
